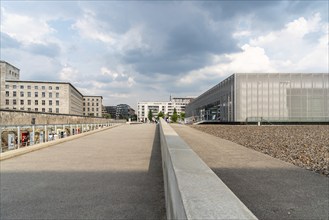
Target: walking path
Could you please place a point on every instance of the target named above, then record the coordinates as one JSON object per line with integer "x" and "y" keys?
{"x": 270, "y": 188}
{"x": 113, "y": 174}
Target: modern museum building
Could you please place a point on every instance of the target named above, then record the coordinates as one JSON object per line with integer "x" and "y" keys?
{"x": 271, "y": 97}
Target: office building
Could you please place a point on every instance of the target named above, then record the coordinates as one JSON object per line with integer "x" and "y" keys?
{"x": 38, "y": 96}
{"x": 276, "y": 97}
{"x": 92, "y": 105}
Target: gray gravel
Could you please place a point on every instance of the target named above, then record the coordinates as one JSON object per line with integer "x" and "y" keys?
{"x": 305, "y": 146}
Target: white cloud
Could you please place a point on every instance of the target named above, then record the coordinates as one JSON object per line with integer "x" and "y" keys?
{"x": 25, "y": 29}
{"x": 69, "y": 74}
{"x": 90, "y": 27}
{"x": 286, "y": 50}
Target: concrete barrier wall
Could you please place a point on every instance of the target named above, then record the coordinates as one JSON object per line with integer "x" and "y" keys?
{"x": 12, "y": 117}
{"x": 192, "y": 189}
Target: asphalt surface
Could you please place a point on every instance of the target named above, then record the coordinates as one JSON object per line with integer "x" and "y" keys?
{"x": 113, "y": 174}
{"x": 270, "y": 188}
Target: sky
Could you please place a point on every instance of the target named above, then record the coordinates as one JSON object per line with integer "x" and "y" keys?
{"x": 130, "y": 51}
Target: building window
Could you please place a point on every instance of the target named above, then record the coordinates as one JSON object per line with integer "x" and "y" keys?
{"x": 50, "y": 110}
{"x": 22, "y": 109}
{"x": 7, "y": 86}
{"x": 7, "y": 93}
{"x": 84, "y": 104}
{"x": 88, "y": 109}
{"x": 43, "y": 102}
{"x": 14, "y": 101}
{"x": 14, "y": 93}
{"x": 36, "y": 102}
{"x": 96, "y": 104}
{"x": 22, "y": 94}
{"x": 92, "y": 99}
{"x": 22, "y": 102}
{"x": 57, "y": 102}
{"x": 7, "y": 101}
{"x": 29, "y": 102}
{"x": 88, "y": 104}
{"x": 36, "y": 109}
{"x": 43, "y": 87}
{"x": 57, "y": 95}
{"x": 43, "y": 110}
{"x": 96, "y": 114}
{"x": 35, "y": 87}
{"x": 50, "y": 102}
{"x": 29, "y": 109}
{"x": 50, "y": 95}
{"x": 57, "y": 87}
{"x": 83, "y": 108}
{"x": 22, "y": 87}
{"x": 92, "y": 104}
{"x": 57, "y": 110}
{"x": 50, "y": 87}
{"x": 96, "y": 109}
{"x": 92, "y": 109}
{"x": 28, "y": 94}
{"x": 14, "y": 87}
{"x": 35, "y": 94}
{"x": 43, "y": 94}
{"x": 29, "y": 87}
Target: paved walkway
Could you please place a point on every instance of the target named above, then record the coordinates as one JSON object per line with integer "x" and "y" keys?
{"x": 113, "y": 174}
{"x": 270, "y": 188}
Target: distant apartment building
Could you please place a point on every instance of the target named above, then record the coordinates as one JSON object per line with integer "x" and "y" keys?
{"x": 121, "y": 111}
{"x": 272, "y": 97}
{"x": 92, "y": 105}
{"x": 143, "y": 108}
{"x": 111, "y": 110}
{"x": 38, "y": 96}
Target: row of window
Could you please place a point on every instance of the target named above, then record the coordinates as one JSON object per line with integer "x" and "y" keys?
{"x": 35, "y": 87}
{"x": 92, "y": 104}
{"x": 50, "y": 110}
{"x": 84, "y": 99}
{"x": 92, "y": 109}
{"x": 29, "y": 102}
{"x": 36, "y": 94}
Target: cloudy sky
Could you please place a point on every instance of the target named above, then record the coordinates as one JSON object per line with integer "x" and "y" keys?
{"x": 130, "y": 51}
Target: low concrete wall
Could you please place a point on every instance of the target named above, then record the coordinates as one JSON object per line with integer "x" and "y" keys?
{"x": 25, "y": 150}
{"x": 192, "y": 189}
{"x": 13, "y": 117}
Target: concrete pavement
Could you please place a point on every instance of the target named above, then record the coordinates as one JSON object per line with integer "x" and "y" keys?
{"x": 113, "y": 174}
{"x": 270, "y": 188}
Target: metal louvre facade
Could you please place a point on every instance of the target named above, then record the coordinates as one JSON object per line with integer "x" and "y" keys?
{"x": 273, "y": 97}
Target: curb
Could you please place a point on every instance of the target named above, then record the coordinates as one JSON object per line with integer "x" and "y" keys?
{"x": 25, "y": 150}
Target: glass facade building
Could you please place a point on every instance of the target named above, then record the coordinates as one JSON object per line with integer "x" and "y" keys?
{"x": 273, "y": 97}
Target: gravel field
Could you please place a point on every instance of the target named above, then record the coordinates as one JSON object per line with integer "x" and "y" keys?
{"x": 305, "y": 146}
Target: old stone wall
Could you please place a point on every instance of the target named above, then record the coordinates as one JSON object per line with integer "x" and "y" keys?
{"x": 12, "y": 117}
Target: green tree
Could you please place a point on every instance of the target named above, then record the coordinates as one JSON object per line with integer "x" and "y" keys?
{"x": 174, "y": 116}
{"x": 108, "y": 116}
{"x": 182, "y": 116}
{"x": 160, "y": 115}
{"x": 150, "y": 115}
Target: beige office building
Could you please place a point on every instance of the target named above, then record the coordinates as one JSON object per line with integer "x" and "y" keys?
{"x": 93, "y": 105}
{"x": 52, "y": 97}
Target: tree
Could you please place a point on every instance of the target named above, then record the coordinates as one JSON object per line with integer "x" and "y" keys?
{"x": 174, "y": 116}
{"x": 182, "y": 116}
{"x": 150, "y": 115}
{"x": 160, "y": 115}
{"x": 108, "y": 116}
